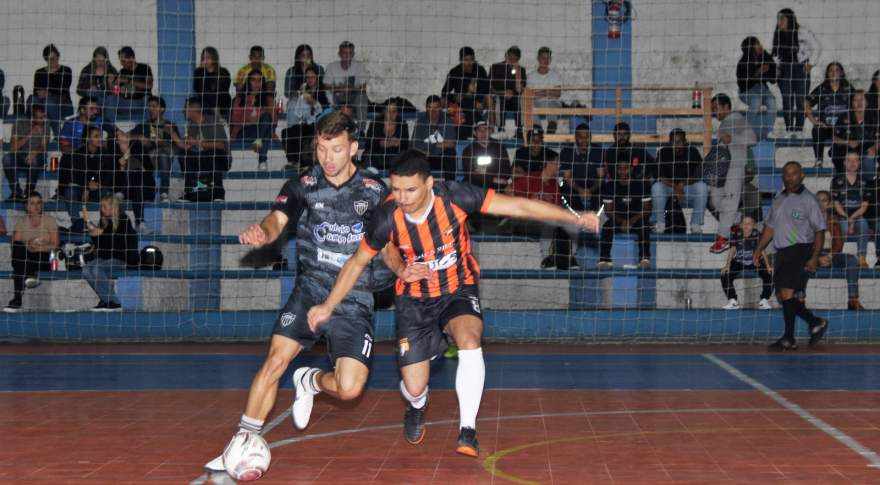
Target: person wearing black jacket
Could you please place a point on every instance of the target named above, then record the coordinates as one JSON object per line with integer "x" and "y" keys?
{"x": 858, "y": 132}
{"x": 211, "y": 84}
{"x": 826, "y": 104}
{"x": 116, "y": 246}
{"x": 387, "y": 137}
{"x": 754, "y": 72}
{"x": 92, "y": 173}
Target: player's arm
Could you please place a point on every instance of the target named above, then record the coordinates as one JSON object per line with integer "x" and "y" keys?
{"x": 266, "y": 232}
{"x": 408, "y": 273}
{"x": 345, "y": 281}
{"x": 522, "y": 208}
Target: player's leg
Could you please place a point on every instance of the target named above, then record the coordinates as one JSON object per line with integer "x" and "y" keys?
{"x": 414, "y": 389}
{"x": 467, "y": 331}
{"x": 264, "y": 388}
{"x": 347, "y": 381}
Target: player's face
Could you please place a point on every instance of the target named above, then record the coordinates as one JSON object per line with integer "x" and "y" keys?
{"x": 792, "y": 176}
{"x": 412, "y": 193}
{"x": 334, "y": 154}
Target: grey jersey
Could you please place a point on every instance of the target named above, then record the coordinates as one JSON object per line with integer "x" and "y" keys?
{"x": 795, "y": 218}
{"x": 330, "y": 223}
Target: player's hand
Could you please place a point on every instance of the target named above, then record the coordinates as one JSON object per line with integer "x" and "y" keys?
{"x": 756, "y": 258}
{"x": 811, "y": 265}
{"x": 415, "y": 272}
{"x": 254, "y": 235}
{"x": 319, "y": 314}
{"x": 589, "y": 222}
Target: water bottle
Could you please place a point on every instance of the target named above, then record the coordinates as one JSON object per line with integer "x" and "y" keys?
{"x": 53, "y": 260}
{"x": 697, "y": 97}
{"x": 688, "y": 303}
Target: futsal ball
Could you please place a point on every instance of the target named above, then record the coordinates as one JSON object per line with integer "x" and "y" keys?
{"x": 247, "y": 456}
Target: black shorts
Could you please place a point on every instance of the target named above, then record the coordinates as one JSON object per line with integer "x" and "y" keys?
{"x": 420, "y": 322}
{"x": 349, "y": 331}
{"x": 788, "y": 268}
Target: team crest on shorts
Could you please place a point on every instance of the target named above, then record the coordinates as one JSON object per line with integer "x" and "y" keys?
{"x": 403, "y": 344}
{"x": 287, "y": 319}
{"x": 361, "y": 206}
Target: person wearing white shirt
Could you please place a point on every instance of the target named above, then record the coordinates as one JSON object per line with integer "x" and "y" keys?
{"x": 546, "y": 82}
{"x": 348, "y": 79}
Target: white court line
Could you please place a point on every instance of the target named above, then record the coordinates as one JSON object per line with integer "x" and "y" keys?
{"x": 847, "y": 440}
{"x": 224, "y": 479}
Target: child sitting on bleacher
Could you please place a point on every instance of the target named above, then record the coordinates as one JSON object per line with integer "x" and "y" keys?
{"x": 742, "y": 245}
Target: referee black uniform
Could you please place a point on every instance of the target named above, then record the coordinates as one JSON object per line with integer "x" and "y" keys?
{"x": 794, "y": 223}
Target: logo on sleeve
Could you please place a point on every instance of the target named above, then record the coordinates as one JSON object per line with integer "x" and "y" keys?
{"x": 308, "y": 180}
{"x": 361, "y": 206}
{"x": 281, "y": 199}
{"x": 372, "y": 184}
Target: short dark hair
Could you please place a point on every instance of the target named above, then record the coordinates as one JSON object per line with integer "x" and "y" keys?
{"x": 797, "y": 164}
{"x": 675, "y": 132}
{"x": 193, "y": 101}
{"x": 622, "y": 126}
{"x": 50, "y": 49}
{"x": 411, "y": 162}
{"x": 466, "y": 51}
{"x": 126, "y": 51}
{"x": 37, "y": 107}
{"x": 582, "y": 127}
{"x": 346, "y": 44}
{"x": 515, "y": 51}
{"x": 722, "y": 100}
{"x": 334, "y": 124}
{"x": 433, "y": 99}
{"x": 83, "y": 101}
{"x": 545, "y": 50}
{"x": 34, "y": 193}
{"x": 158, "y": 99}
{"x": 256, "y": 49}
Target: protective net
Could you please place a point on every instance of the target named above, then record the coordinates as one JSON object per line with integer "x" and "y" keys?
{"x": 190, "y": 115}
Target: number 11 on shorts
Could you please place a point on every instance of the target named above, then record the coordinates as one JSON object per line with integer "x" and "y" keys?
{"x": 368, "y": 345}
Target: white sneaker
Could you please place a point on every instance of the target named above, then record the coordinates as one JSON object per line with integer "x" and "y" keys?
{"x": 263, "y": 167}
{"x": 257, "y": 145}
{"x": 31, "y": 282}
{"x": 605, "y": 265}
{"x": 216, "y": 465}
{"x": 645, "y": 264}
{"x": 764, "y": 304}
{"x": 696, "y": 228}
{"x": 659, "y": 228}
{"x": 304, "y": 399}
{"x": 731, "y": 305}
{"x": 163, "y": 196}
{"x": 143, "y": 229}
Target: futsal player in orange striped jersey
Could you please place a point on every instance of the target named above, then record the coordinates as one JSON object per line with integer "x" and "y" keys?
{"x": 436, "y": 290}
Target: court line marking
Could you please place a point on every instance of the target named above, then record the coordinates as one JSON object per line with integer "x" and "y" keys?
{"x": 223, "y": 479}
{"x": 845, "y": 439}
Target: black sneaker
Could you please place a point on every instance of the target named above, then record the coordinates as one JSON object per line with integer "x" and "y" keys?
{"x": 113, "y": 307}
{"x": 548, "y": 263}
{"x": 467, "y": 442}
{"x": 14, "y": 306}
{"x": 414, "y": 424}
{"x": 782, "y": 345}
{"x": 817, "y": 331}
{"x": 100, "y": 307}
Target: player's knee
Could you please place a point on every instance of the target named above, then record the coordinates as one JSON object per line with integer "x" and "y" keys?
{"x": 467, "y": 340}
{"x": 275, "y": 365}
{"x": 348, "y": 388}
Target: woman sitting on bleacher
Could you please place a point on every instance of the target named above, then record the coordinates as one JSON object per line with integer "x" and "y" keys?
{"x": 857, "y": 132}
{"x": 302, "y": 112}
{"x": 253, "y": 116}
{"x": 35, "y": 236}
{"x": 116, "y": 246}
{"x": 97, "y": 78}
{"x": 832, "y": 255}
{"x": 133, "y": 176}
{"x": 387, "y": 137}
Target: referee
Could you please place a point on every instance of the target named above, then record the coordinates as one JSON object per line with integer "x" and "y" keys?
{"x": 796, "y": 226}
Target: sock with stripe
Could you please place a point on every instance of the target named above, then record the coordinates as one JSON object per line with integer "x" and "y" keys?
{"x": 248, "y": 423}
{"x": 469, "y": 380}
{"x": 417, "y": 402}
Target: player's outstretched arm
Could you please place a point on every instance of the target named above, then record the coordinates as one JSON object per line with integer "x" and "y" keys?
{"x": 266, "y": 232}
{"x": 522, "y": 208}
{"x": 345, "y": 281}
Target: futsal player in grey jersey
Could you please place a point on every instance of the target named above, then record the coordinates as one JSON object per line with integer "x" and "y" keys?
{"x": 796, "y": 226}
{"x": 328, "y": 207}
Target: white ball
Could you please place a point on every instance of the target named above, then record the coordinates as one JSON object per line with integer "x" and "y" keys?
{"x": 247, "y": 456}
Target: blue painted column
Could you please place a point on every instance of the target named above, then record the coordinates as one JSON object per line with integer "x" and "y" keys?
{"x": 176, "y": 32}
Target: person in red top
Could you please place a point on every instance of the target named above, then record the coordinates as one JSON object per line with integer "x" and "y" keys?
{"x": 254, "y": 116}
{"x": 436, "y": 289}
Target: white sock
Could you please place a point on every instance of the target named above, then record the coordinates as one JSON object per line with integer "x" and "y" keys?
{"x": 469, "y": 379}
{"x": 313, "y": 382}
{"x": 417, "y": 402}
{"x": 248, "y": 423}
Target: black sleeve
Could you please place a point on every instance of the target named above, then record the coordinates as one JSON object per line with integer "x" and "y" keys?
{"x": 445, "y": 89}
{"x": 225, "y": 81}
{"x": 837, "y": 189}
{"x": 198, "y": 81}
{"x": 380, "y": 227}
{"x": 291, "y": 201}
{"x": 469, "y": 197}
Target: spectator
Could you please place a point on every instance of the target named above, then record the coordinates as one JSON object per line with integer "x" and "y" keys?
{"x": 211, "y": 83}
{"x": 434, "y": 135}
{"x": 858, "y": 131}
{"x": 34, "y": 237}
{"x": 622, "y": 150}
{"x": 871, "y": 97}
{"x": 832, "y": 255}
{"x": 133, "y": 84}
{"x": 154, "y": 146}
{"x": 735, "y": 134}
{"x": 532, "y": 158}
{"x": 4, "y": 101}
{"x": 27, "y": 153}
{"x": 387, "y": 137}
{"x": 93, "y": 173}
{"x": 581, "y": 167}
{"x": 73, "y": 137}
{"x": 134, "y": 175}
{"x": 627, "y": 201}
{"x": 831, "y": 102}
{"x": 486, "y": 161}
{"x": 253, "y": 116}
{"x": 546, "y": 82}
{"x": 52, "y": 88}
{"x": 302, "y": 114}
{"x": 755, "y": 71}
{"x": 558, "y": 242}
{"x": 257, "y": 57}
{"x": 206, "y": 154}
{"x": 116, "y": 246}
{"x": 467, "y": 85}
{"x": 348, "y": 78}
{"x": 797, "y": 50}
{"x": 98, "y": 77}
{"x": 739, "y": 259}
{"x": 507, "y": 80}
{"x": 850, "y": 195}
{"x": 295, "y": 78}
{"x": 679, "y": 168}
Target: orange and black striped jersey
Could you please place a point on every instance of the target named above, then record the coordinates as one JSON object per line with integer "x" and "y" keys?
{"x": 440, "y": 241}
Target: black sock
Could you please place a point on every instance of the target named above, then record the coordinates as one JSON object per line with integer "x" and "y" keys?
{"x": 789, "y": 312}
{"x": 803, "y": 312}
